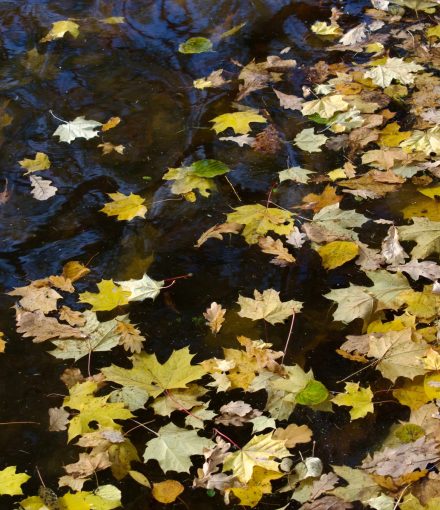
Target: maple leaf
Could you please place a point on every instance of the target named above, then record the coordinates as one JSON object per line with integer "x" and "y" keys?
{"x": 92, "y": 409}
{"x": 387, "y": 287}
{"x": 99, "y": 336}
{"x": 40, "y": 162}
{"x": 425, "y": 233}
{"x": 353, "y": 303}
{"x": 216, "y": 232}
{"x": 418, "y": 5}
{"x": 105, "y": 497}
{"x": 296, "y": 174}
{"x": 34, "y": 297}
{"x": 323, "y": 28}
{"x": 36, "y": 324}
{"x": 42, "y": 189}
{"x": 354, "y": 36}
{"x": 258, "y": 485}
{"x": 423, "y": 141}
{"x": 215, "y": 79}
{"x": 258, "y": 220}
{"x": 337, "y": 253}
{"x": 129, "y": 336}
{"x": 60, "y": 28}
{"x": 186, "y": 180}
{"x": 11, "y": 481}
{"x": 109, "y": 296}
{"x": 125, "y": 207}
{"x": 325, "y": 107}
{"x": 308, "y": 141}
{"x": 393, "y": 69}
{"x": 80, "y": 127}
{"x": 361, "y": 486}
{"x": 173, "y": 447}
{"x": 268, "y": 306}
{"x": 398, "y": 355}
{"x": 359, "y": 399}
{"x": 144, "y": 288}
{"x": 58, "y": 419}
{"x": 108, "y": 148}
{"x": 238, "y": 121}
{"x": 276, "y": 247}
{"x": 317, "y": 202}
{"x": 403, "y": 459}
{"x": 260, "y": 451}
{"x": 214, "y": 316}
{"x": 147, "y": 373}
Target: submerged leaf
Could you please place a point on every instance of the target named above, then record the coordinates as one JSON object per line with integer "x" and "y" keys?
{"x": 195, "y": 45}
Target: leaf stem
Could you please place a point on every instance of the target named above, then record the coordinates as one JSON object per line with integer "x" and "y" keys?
{"x": 288, "y": 337}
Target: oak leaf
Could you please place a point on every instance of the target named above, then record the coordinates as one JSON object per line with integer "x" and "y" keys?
{"x": 276, "y": 247}
{"x": 214, "y": 316}
{"x": 129, "y": 336}
{"x": 58, "y": 419}
{"x": 42, "y": 189}
{"x": 35, "y": 297}
{"x": 293, "y": 435}
{"x": 217, "y": 231}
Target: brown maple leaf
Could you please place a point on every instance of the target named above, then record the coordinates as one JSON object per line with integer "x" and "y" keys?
{"x": 317, "y": 202}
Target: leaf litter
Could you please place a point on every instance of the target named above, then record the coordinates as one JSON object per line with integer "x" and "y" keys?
{"x": 377, "y": 109}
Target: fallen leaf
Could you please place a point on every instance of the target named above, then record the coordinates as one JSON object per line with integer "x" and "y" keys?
{"x": 289, "y": 102}
{"x": 214, "y": 316}
{"x": 35, "y": 298}
{"x": 109, "y": 296}
{"x": 42, "y": 189}
{"x": 11, "y": 481}
{"x": 296, "y": 174}
{"x": 258, "y": 220}
{"x": 144, "y": 288}
{"x": 40, "y": 162}
{"x": 393, "y": 69}
{"x": 130, "y": 337}
{"x": 108, "y": 148}
{"x": 216, "y": 232}
{"x": 353, "y": 303}
{"x": 80, "y": 127}
{"x": 354, "y": 36}
{"x": 318, "y": 202}
{"x": 323, "y": 28}
{"x": 308, "y": 141}
{"x": 337, "y": 253}
{"x": 58, "y": 419}
{"x": 195, "y": 45}
{"x": 392, "y": 249}
{"x": 173, "y": 447}
{"x": 125, "y": 207}
{"x": 167, "y": 491}
{"x": 268, "y": 306}
{"x": 60, "y": 28}
{"x": 293, "y": 435}
{"x": 110, "y": 124}
{"x": 215, "y": 79}
{"x": 276, "y": 247}
{"x": 325, "y": 107}
{"x": 239, "y": 122}
{"x": 241, "y": 140}
{"x": 359, "y": 399}
{"x": 425, "y": 233}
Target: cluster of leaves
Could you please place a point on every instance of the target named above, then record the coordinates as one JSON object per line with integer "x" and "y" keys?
{"x": 351, "y": 108}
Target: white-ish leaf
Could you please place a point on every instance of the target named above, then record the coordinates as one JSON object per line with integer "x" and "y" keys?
{"x": 77, "y": 128}
{"x": 393, "y": 69}
{"x": 354, "y": 36}
{"x": 241, "y": 140}
{"x": 308, "y": 141}
{"x": 391, "y": 248}
{"x": 143, "y": 288}
{"x": 416, "y": 269}
{"x": 296, "y": 174}
{"x": 42, "y": 189}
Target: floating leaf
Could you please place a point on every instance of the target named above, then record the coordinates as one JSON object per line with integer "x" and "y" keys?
{"x": 325, "y": 107}
{"x": 40, "y": 162}
{"x": 425, "y": 233}
{"x": 268, "y": 306}
{"x": 195, "y": 45}
{"x": 353, "y": 303}
{"x": 239, "y": 122}
{"x": 42, "y": 189}
{"x": 359, "y": 399}
{"x": 60, "y": 28}
{"x": 209, "y": 168}
{"x": 144, "y": 288}
{"x": 125, "y": 207}
{"x": 296, "y": 174}
{"x": 393, "y": 69}
{"x": 167, "y": 491}
{"x": 337, "y": 253}
{"x": 109, "y": 296}
{"x": 11, "y": 481}
{"x": 77, "y": 128}
{"x": 308, "y": 141}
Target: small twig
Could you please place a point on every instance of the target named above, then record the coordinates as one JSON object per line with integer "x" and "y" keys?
{"x": 145, "y": 427}
{"x": 288, "y": 337}
{"x": 270, "y": 194}
{"x": 19, "y": 422}
{"x": 40, "y": 477}
{"x": 189, "y": 275}
{"x": 137, "y": 426}
{"x": 233, "y": 189}
{"x": 401, "y": 496}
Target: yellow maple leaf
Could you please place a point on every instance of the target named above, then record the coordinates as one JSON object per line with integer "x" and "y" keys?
{"x": 109, "y": 296}
{"x": 431, "y": 360}
{"x": 125, "y": 207}
{"x": 92, "y": 409}
{"x": 337, "y": 253}
{"x": 258, "y": 485}
{"x": 268, "y": 306}
{"x": 258, "y": 220}
{"x": 359, "y": 399}
{"x": 260, "y": 451}
{"x": 422, "y": 207}
{"x": 11, "y": 481}
{"x": 318, "y": 202}
{"x": 390, "y": 136}
{"x": 325, "y": 107}
{"x": 60, "y": 28}
{"x": 238, "y": 121}
{"x": 412, "y": 393}
{"x": 323, "y": 28}
{"x": 430, "y": 192}
{"x": 147, "y": 373}
{"x": 40, "y": 162}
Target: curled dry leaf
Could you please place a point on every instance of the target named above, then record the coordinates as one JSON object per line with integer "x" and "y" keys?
{"x": 276, "y": 247}
{"x": 217, "y": 231}
{"x": 215, "y": 317}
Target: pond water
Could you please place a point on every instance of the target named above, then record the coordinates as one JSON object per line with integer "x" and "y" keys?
{"x": 133, "y": 70}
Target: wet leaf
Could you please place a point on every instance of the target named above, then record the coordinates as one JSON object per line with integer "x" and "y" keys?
{"x": 239, "y": 122}
{"x": 125, "y": 207}
{"x": 42, "y": 189}
{"x": 393, "y": 69}
{"x": 217, "y": 231}
{"x": 296, "y": 174}
{"x": 425, "y": 233}
{"x": 167, "y": 491}
{"x": 293, "y": 435}
{"x": 11, "y": 481}
{"x": 309, "y": 141}
{"x": 195, "y": 45}
{"x": 80, "y": 127}
{"x": 144, "y": 288}
{"x": 40, "y": 162}
{"x": 109, "y": 296}
{"x": 325, "y": 107}
{"x": 60, "y": 28}
{"x": 186, "y": 180}
{"x": 359, "y": 399}
{"x": 209, "y": 168}
{"x": 353, "y": 303}
{"x": 337, "y": 253}
{"x": 173, "y": 447}
{"x": 323, "y": 28}
{"x": 276, "y": 247}
{"x": 268, "y": 306}
{"x": 214, "y": 316}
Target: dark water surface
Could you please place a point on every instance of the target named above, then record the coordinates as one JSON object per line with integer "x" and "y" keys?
{"x": 133, "y": 71}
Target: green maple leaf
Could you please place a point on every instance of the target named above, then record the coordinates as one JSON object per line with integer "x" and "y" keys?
{"x": 258, "y": 220}
{"x": 92, "y": 409}
{"x": 147, "y": 373}
{"x": 173, "y": 447}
